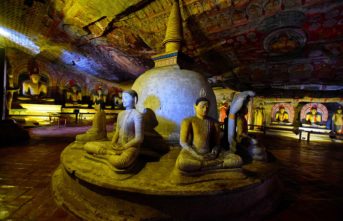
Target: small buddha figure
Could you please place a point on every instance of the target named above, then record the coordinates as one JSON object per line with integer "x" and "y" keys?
{"x": 122, "y": 152}
{"x": 259, "y": 116}
{"x": 74, "y": 96}
{"x": 313, "y": 117}
{"x": 99, "y": 97}
{"x": 34, "y": 87}
{"x": 337, "y": 121}
{"x": 200, "y": 141}
{"x": 281, "y": 115}
{"x": 98, "y": 129}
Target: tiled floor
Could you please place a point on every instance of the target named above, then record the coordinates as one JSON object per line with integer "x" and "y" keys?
{"x": 312, "y": 174}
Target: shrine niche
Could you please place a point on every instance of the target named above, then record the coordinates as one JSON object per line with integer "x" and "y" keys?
{"x": 282, "y": 113}
{"x": 314, "y": 115}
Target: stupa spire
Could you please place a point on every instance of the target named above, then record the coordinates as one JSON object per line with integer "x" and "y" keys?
{"x": 172, "y": 41}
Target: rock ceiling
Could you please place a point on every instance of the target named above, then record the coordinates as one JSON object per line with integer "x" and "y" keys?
{"x": 238, "y": 43}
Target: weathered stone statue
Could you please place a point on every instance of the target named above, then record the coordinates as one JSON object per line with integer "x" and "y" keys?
{"x": 238, "y": 131}
{"x": 98, "y": 129}
{"x": 313, "y": 117}
{"x": 200, "y": 141}
{"x": 123, "y": 150}
{"x": 337, "y": 121}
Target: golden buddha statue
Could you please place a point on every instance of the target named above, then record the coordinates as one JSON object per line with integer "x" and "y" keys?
{"x": 34, "y": 87}
{"x": 281, "y": 115}
{"x": 259, "y": 116}
{"x": 337, "y": 121}
{"x": 74, "y": 96}
{"x": 200, "y": 141}
{"x": 122, "y": 152}
{"x": 313, "y": 117}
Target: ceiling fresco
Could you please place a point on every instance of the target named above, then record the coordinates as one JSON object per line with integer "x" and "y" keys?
{"x": 258, "y": 44}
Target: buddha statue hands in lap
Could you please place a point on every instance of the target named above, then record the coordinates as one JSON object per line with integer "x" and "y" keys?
{"x": 34, "y": 87}
{"x": 313, "y": 117}
{"x": 200, "y": 141}
{"x": 122, "y": 152}
{"x": 281, "y": 115}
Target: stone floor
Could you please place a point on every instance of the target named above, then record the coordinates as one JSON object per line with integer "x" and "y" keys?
{"x": 312, "y": 174}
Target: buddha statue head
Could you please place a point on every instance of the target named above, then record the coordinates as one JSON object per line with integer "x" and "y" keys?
{"x": 282, "y": 109}
{"x": 314, "y": 110}
{"x": 130, "y": 99}
{"x": 339, "y": 110}
{"x": 201, "y": 107}
{"x": 35, "y": 78}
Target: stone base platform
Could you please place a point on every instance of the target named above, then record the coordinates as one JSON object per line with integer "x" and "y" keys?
{"x": 93, "y": 191}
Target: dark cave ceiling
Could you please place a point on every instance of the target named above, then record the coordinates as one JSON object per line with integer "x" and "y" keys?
{"x": 254, "y": 44}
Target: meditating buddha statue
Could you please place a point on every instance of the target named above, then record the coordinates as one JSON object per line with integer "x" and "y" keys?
{"x": 200, "y": 141}
{"x": 337, "y": 121}
{"x": 122, "y": 152}
{"x": 74, "y": 96}
{"x": 281, "y": 115}
{"x": 98, "y": 129}
{"x": 34, "y": 87}
{"x": 99, "y": 97}
{"x": 313, "y": 117}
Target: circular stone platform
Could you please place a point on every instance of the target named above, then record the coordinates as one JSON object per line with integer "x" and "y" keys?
{"x": 93, "y": 191}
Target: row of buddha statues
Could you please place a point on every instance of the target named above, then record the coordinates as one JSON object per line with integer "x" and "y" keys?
{"x": 36, "y": 90}
{"x": 310, "y": 116}
{"x": 200, "y": 138}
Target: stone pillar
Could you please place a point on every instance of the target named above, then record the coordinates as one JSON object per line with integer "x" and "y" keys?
{"x": 3, "y": 83}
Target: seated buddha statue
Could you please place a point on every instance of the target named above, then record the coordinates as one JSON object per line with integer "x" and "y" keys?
{"x": 34, "y": 87}
{"x": 200, "y": 142}
{"x": 337, "y": 121}
{"x": 281, "y": 115}
{"x": 313, "y": 117}
{"x": 74, "y": 96}
{"x": 122, "y": 152}
{"x": 98, "y": 129}
{"x": 99, "y": 96}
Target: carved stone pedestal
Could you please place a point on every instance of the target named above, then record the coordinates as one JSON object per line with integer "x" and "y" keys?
{"x": 93, "y": 191}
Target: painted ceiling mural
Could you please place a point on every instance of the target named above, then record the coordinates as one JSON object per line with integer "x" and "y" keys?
{"x": 238, "y": 43}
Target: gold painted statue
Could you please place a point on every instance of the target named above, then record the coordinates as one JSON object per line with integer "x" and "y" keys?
{"x": 122, "y": 152}
{"x": 337, "y": 121}
{"x": 200, "y": 141}
{"x": 74, "y": 96}
{"x": 282, "y": 115}
{"x": 259, "y": 116}
{"x": 98, "y": 129}
{"x": 34, "y": 87}
{"x": 313, "y": 117}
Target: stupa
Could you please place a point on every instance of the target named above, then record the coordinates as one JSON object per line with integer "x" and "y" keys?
{"x": 167, "y": 89}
